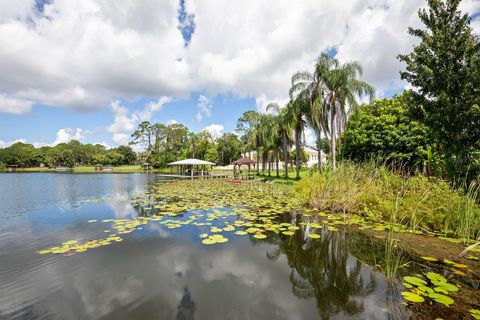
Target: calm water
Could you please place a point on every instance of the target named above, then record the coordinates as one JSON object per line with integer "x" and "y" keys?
{"x": 158, "y": 273}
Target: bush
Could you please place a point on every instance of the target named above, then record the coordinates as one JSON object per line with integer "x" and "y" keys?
{"x": 376, "y": 192}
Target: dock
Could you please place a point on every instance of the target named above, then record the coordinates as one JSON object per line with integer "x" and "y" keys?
{"x": 179, "y": 176}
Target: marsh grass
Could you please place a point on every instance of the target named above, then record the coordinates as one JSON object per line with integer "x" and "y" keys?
{"x": 374, "y": 191}
{"x": 393, "y": 255}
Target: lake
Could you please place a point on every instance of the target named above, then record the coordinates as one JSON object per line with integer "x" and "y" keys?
{"x": 161, "y": 269}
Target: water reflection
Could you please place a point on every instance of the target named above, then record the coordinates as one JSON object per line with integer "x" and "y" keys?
{"x": 155, "y": 274}
{"x": 325, "y": 270}
{"x": 186, "y": 308}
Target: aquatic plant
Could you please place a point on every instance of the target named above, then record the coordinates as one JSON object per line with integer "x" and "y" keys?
{"x": 435, "y": 287}
{"x": 425, "y": 204}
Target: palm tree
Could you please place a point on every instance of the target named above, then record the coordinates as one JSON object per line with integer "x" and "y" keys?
{"x": 313, "y": 86}
{"x": 284, "y": 131}
{"x": 297, "y": 109}
{"x": 343, "y": 88}
{"x": 329, "y": 90}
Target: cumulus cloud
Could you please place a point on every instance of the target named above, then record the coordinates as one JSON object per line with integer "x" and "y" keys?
{"x": 84, "y": 54}
{"x": 216, "y": 130}
{"x": 68, "y": 134}
{"x": 123, "y": 124}
{"x": 204, "y": 108}
{"x": 170, "y": 122}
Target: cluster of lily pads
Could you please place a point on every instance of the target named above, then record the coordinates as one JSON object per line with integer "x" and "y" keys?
{"x": 217, "y": 207}
{"x": 435, "y": 287}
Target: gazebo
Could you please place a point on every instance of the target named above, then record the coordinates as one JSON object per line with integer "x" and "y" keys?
{"x": 192, "y": 167}
{"x": 243, "y": 161}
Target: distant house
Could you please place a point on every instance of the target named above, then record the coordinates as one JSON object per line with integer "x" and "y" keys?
{"x": 312, "y": 157}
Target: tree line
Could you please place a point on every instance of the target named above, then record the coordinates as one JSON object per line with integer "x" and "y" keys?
{"x": 66, "y": 154}
{"x": 167, "y": 143}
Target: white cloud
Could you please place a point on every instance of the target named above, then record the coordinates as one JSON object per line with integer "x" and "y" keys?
{"x": 263, "y": 101}
{"x": 204, "y": 108}
{"x": 153, "y": 106}
{"x": 216, "y": 130}
{"x": 13, "y": 105}
{"x": 123, "y": 124}
{"x": 68, "y": 134}
{"x": 170, "y": 122}
{"x": 84, "y": 54}
{"x": 5, "y": 144}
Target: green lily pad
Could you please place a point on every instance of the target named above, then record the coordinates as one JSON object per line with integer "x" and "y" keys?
{"x": 259, "y": 236}
{"x": 435, "y": 277}
{"x": 412, "y": 297}
{"x": 209, "y": 241}
{"x": 288, "y": 233}
{"x": 449, "y": 287}
{"x": 475, "y": 314}
{"x": 313, "y": 236}
{"x": 415, "y": 281}
{"x": 441, "y": 298}
{"x": 425, "y": 289}
{"x": 441, "y": 290}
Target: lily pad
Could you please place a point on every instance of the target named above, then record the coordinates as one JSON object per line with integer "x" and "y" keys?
{"x": 475, "y": 314}
{"x": 441, "y": 298}
{"x": 412, "y": 297}
{"x": 415, "y": 281}
{"x": 313, "y": 236}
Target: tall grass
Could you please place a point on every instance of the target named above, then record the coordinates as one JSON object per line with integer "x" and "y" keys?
{"x": 375, "y": 192}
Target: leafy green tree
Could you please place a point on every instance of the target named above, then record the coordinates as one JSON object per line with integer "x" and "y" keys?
{"x": 228, "y": 148}
{"x": 143, "y": 135}
{"x": 128, "y": 154}
{"x": 444, "y": 69}
{"x": 248, "y": 125}
{"x": 20, "y": 154}
{"x": 384, "y": 131}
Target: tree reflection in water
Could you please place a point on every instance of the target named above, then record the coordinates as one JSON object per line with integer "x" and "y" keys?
{"x": 321, "y": 268}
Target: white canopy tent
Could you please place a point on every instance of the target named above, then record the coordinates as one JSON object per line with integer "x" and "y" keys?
{"x": 191, "y": 162}
{"x": 186, "y": 167}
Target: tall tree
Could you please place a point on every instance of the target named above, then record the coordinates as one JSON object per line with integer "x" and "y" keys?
{"x": 285, "y": 131}
{"x": 314, "y": 88}
{"x": 297, "y": 109}
{"x": 342, "y": 90}
{"x": 444, "y": 68}
{"x": 248, "y": 125}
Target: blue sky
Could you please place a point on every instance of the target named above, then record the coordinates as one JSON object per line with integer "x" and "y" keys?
{"x": 92, "y": 70}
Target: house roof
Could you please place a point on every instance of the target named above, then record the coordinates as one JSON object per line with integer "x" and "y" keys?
{"x": 244, "y": 160}
{"x": 191, "y": 162}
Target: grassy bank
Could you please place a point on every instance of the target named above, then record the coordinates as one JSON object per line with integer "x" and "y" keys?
{"x": 423, "y": 203}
